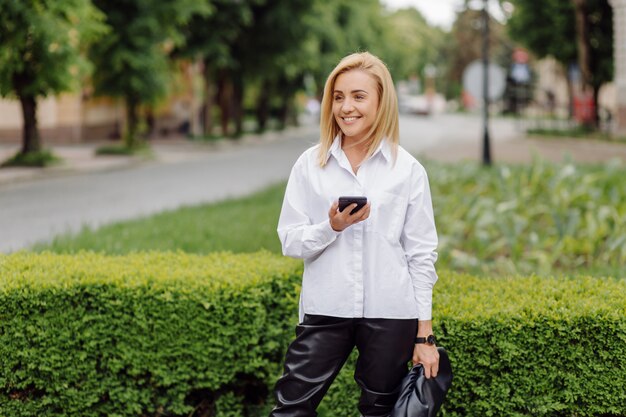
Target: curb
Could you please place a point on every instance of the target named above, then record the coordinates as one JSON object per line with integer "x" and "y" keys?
{"x": 81, "y": 158}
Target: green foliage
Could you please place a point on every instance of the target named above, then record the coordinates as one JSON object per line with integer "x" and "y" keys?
{"x": 543, "y": 218}
{"x": 42, "y": 43}
{"x": 31, "y": 159}
{"x": 583, "y": 132}
{"x": 539, "y": 218}
{"x": 166, "y": 333}
{"x": 413, "y": 44}
{"x": 131, "y": 61}
{"x": 553, "y": 28}
{"x": 122, "y": 150}
{"x": 342, "y": 27}
{"x": 465, "y": 45}
{"x": 524, "y": 347}
{"x": 41, "y": 53}
{"x": 150, "y": 334}
{"x": 554, "y": 32}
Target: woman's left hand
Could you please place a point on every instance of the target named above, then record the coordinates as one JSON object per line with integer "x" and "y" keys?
{"x": 428, "y": 356}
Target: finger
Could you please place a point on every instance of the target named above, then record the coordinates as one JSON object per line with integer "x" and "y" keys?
{"x": 333, "y": 209}
{"x": 366, "y": 212}
{"x": 358, "y": 214}
{"x": 434, "y": 371}
{"x": 427, "y": 372}
{"x": 436, "y": 366}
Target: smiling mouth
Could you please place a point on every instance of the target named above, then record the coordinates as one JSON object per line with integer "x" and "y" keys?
{"x": 350, "y": 119}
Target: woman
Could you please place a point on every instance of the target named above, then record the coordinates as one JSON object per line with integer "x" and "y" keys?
{"x": 369, "y": 273}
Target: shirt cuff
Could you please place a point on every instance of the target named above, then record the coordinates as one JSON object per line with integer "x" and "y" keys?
{"x": 424, "y": 299}
{"x": 329, "y": 231}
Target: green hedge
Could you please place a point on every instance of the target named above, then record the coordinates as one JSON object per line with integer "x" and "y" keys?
{"x": 162, "y": 334}
{"x": 525, "y": 347}
{"x": 154, "y": 334}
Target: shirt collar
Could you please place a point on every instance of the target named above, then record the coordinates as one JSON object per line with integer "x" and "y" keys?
{"x": 335, "y": 149}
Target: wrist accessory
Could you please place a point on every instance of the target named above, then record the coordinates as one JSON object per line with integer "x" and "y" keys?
{"x": 429, "y": 340}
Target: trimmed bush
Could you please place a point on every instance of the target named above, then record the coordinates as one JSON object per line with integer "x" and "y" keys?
{"x": 151, "y": 334}
{"x": 524, "y": 347}
{"x": 172, "y": 334}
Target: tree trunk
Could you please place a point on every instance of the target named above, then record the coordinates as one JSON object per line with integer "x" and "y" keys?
{"x": 31, "y": 141}
{"x": 238, "y": 102}
{"x": 263, "y": 106}
{"x": 292, "y": 111}
{"x": 208, "y": 100}
{"x": 582, "y": 41}
{"x": 570, "y": 97}
{"x": 132, "y": 122}
{"x": 150, "y": 123}
{"x": 596, "y": 106}
{"x": 584, "y": 49}
{"x": 282, "y": 113}
{"x": 224, "y": 98}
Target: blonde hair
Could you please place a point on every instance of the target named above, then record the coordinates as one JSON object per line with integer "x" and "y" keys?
{"x": 385, "y": 126}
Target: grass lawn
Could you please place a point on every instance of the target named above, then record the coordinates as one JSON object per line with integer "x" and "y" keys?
{"x": 239, "y": 225}
{"x": 540, "y": 218}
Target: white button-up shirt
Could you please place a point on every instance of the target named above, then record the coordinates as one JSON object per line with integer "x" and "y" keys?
{"x": 382, "y": 267}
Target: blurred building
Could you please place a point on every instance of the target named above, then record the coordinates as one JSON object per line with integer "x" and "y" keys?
{"x": 551, "y": 92}
{"x": 81, "y": 117}
{"x": 619, "y": 45}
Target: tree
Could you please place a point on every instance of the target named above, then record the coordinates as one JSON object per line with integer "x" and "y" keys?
{"x": 554, "y": 25}
{"x": 341, "y": 27}
{"x": 594, "y": 30}
{"x": 466, "y": 44}
{"x": 132, "y": 60}
{"x": 210, "y": 38}
{"x": 414, "y": 45}
{"x": 275, "y": 53}
{"x": 42, "y": 53}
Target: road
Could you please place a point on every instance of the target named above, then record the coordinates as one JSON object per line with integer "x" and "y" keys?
{"x": 37, "y": 210}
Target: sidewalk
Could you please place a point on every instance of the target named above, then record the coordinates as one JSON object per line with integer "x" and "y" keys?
{"x": 525, "y": 149}
{"x": 82, "y": 158}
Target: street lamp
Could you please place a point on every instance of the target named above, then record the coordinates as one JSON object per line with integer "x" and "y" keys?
{"x": 486, "y": 144}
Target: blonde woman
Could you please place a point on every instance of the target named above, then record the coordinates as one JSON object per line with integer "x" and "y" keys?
{"x": 368, "y": 269}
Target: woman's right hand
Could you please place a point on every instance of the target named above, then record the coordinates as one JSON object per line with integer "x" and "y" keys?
{"x": 340, "y": 220}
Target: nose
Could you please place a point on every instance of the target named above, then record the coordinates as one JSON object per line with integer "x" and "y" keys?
{"x": 347, "y": 106}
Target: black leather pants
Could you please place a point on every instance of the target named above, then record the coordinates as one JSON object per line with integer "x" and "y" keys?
{"x": 322, "y": 346}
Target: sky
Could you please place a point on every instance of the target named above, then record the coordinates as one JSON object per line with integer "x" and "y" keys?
{"x": 437, "y": 12}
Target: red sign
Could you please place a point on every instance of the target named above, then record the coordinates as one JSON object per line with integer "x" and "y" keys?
{"x": 584, "y": 108}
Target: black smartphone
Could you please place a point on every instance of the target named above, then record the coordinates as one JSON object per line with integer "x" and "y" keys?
{"x": 345, "y": 201}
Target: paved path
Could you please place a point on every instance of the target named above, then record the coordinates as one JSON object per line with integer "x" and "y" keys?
{"x": 35, "y": 205}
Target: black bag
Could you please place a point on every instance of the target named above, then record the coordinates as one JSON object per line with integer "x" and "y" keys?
{"x": 421, "y": 397}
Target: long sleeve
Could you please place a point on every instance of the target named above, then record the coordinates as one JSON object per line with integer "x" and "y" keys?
{"x": 419, "y": 239}
{"x": 298, "y": 236}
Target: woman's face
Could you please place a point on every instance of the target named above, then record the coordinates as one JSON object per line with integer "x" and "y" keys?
{"x": 355, "y": 103}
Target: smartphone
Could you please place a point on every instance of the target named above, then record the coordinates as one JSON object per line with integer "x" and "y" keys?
{"x": 345, "y": 201}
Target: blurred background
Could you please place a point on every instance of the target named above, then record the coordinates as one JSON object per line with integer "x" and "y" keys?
{"x": 93, "y": 86}
{"x": 91, "y": 70}
{"x": 160, "y": 130}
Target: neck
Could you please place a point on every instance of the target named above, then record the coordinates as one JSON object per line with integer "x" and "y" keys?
{"x": 355, "y": 145}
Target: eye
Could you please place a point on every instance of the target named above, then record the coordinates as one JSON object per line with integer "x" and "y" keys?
{"x": 338, "y": 97}
{"x": 359, "y": 97}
